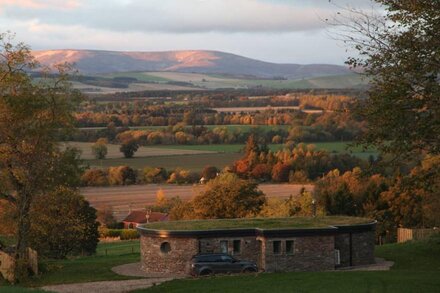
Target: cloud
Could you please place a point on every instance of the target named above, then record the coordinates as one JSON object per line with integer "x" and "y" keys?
{"x": 39, "y": 4}
{"x": 175, "y": 16}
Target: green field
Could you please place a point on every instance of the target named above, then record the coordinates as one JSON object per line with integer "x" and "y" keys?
{"x": 416, "y": 269}
{"x": 261, "y": 223}
{"x": 225, "y": 155}
{"x": 216, "y": 81}
{"x": 190, "y": 162}
{"x": 333, "y": 147}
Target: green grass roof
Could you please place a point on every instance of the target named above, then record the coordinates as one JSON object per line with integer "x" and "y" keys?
{"x": 260, "y": 223}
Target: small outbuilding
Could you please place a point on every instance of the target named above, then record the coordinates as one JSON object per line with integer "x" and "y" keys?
{"x": 136, "y": 218}
{"x": 287, "y": 244}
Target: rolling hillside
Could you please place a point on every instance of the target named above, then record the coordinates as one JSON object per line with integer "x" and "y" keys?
{"x": 197, "y": 61}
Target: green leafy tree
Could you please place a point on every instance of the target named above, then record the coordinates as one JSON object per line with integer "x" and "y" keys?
{"x": 99, "y": 149}
{"x": 65, "y": 226}
{"x": 31, "y": 117}
{"x": 128, "y": 148}
{"x": 228, "y": 196}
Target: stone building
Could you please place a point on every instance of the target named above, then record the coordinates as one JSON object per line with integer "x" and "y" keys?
{"x": 275, "y": 249}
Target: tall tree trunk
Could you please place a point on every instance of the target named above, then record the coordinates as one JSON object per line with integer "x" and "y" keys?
{"x": 23, "y": 227}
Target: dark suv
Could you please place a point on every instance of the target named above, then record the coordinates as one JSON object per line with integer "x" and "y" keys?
{"x": 219, "y": 263}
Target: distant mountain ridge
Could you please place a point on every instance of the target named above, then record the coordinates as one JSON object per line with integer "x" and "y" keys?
{"x": 195, "y": 61}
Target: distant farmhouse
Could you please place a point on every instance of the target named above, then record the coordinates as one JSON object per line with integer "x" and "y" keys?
{"x": 136, "y": 218}
{"x": 291, "y": 244}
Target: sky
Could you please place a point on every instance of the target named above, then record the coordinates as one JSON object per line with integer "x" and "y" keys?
{"x": 281, "y": 31}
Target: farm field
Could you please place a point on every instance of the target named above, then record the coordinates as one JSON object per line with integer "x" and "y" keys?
{"x": 133, "y": 87}
{"x": 255, "y": 109}
{"x": 113, "y": 151}
{"x": 124, "y": 198}
{"x": 333, "y": 147}
{"x": 194, "y": 163}
{"x": 230, "y": 127}
{"x": 216, "y": 81}
{"x": 193, "y": 157}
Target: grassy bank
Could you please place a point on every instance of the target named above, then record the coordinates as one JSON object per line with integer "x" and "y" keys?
{"x": 84, "y": 269}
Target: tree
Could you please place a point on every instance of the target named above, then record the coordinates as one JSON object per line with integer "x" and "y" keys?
{"x": 65, "y": 226}
{"x": 209, "y": 172}
{"x": 128, "y": 148}
{"x": 228, "y": 196}
{"x": 32, "y": 114}
{"x": 121, "y": 175}
{"x": 99, "y": 149}
{"x": 400, "y": 54}
{"x": 94, "y": 177}
{"x": 280, "y": 172}
{"x": 105, "y": 216}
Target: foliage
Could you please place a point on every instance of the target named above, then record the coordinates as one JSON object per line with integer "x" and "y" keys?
{"x": 65, "y": 226}
{"x": 123, "y": 234}
{"x": 128, "y": 148}
{"x": 121, "y": 175}
{"x": 94, "y": 177}
{"x": 105, "y": 216}
{"x": 99, "y": 149}
{"x": 228, "y": 196}
{"x": 209, "y": 172}
{"x": 399, "y": 52}
{"x": 31, "y": 116}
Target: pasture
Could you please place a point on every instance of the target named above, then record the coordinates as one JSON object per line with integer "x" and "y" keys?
{"x": 260, "y": 109}
{"x": 114, "y": 152}
{"x": 163, "y": 81}
{"x": 194, "y": 163}
{"x": 124, "y": 198}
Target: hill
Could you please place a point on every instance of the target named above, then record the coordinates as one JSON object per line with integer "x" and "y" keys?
{"x": 194, "y": 61}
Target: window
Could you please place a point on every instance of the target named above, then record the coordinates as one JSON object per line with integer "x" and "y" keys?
{"x": 337, "y": 257}
{"x": 237, "y": 246}
{"x": 290, "y": 247}
{"x": 224, "y": 246}
{"x": 226, "y": 258}
{"x": 165, "y": 247}
{"x": 276, "y": 247}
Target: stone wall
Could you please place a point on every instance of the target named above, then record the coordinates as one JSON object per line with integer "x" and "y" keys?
{"x": 311, "y": 253}
{"x": 363, "y": 248}
{"x": 342, "y": 243}
{"x": 175, "y": 261}
{"x": 250, "y": 247}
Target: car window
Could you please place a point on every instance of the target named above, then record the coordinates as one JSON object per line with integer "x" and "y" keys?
{"x": 226, "y": 258}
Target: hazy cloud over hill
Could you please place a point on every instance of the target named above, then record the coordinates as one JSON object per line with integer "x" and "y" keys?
{"x": 190, "y": 24}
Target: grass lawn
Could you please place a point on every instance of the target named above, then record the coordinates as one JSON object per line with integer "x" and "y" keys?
{"x": 85, "y": 269}
{"x": 416, "y": 269}
{"x": 267, "y": 223}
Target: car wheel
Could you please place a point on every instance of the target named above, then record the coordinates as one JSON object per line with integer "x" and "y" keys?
{"x": 206, "y": 273}
{"x": 249, "y": 270}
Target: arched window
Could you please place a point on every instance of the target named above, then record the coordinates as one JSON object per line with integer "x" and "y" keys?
{"x": 130, "y": 226}
{"x": 165, "y": 247}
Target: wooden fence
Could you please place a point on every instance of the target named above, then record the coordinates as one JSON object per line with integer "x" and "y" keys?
{"x": 404, "y": 234}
